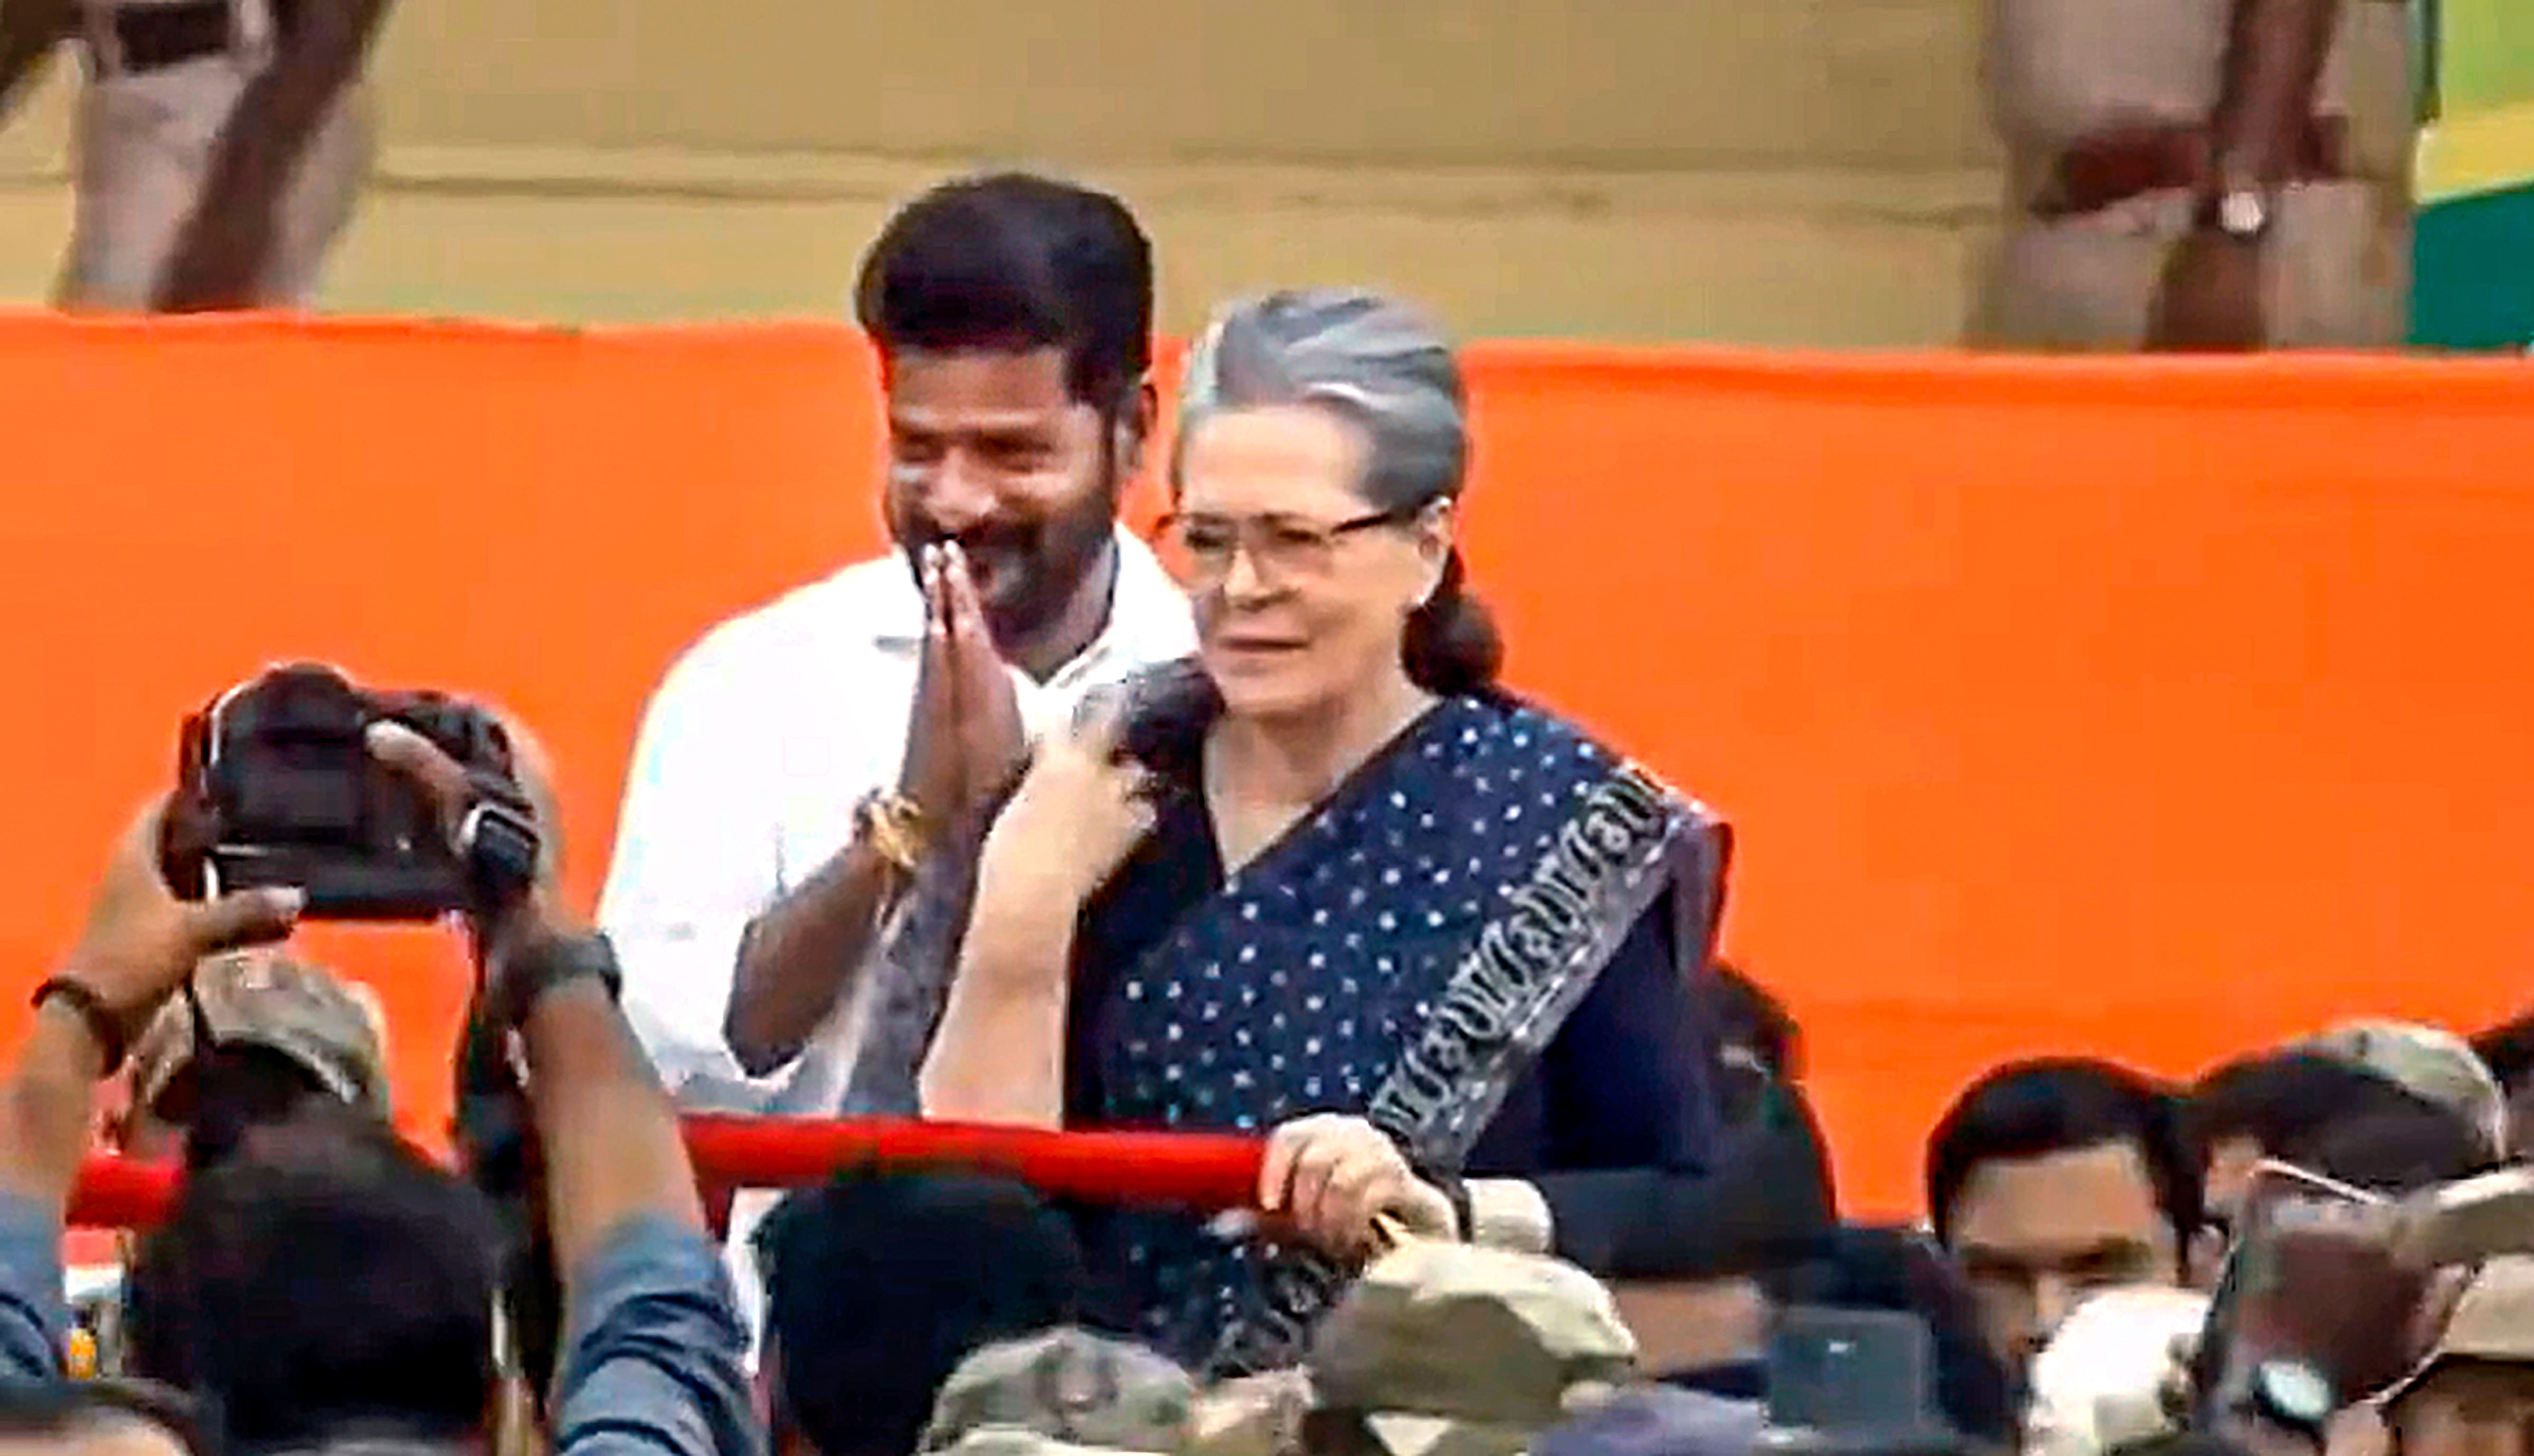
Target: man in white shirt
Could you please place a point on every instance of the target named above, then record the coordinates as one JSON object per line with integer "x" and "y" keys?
{"x": 803, "y": 762}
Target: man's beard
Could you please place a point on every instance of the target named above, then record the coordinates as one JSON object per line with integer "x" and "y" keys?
{"x": 1027, "y": 573}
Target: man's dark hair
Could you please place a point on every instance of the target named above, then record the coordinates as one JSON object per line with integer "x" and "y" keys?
{"x": 222, "y": 1096}
{"x": 326, "y": 1279}
{"x": 2059, "y": 1105}
{"x": 1017, "y": 262}
{"x": 62, "y": 1410}
{"x": 2508, "y": 1049}
{"x": 2181, "y": 1443}
{"x": 2281, "y": 1100}
{"x": 879, "y": 1283}
{"x": 1749, "y": 1015}
{"x": 2395, "y": 1151}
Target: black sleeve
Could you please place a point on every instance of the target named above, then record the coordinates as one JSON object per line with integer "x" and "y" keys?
{"x": 1630, "y": 1079}
{"x": 1082, "y": 1095}
{"x": 1640, "y": 1177}
{"x": 1768, "y": 1201}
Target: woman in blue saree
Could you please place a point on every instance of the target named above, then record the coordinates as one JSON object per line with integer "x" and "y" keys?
{"x": 1328, "y": 882}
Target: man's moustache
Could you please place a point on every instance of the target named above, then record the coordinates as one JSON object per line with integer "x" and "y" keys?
{"x": 1013, "y": 541}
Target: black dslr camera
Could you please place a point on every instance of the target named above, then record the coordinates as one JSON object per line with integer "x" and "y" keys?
{"x": 275, "y": 786}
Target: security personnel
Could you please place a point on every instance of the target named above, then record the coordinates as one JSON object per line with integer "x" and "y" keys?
{"x": 2201, "y": 175}
{"x": 219, "y": 145}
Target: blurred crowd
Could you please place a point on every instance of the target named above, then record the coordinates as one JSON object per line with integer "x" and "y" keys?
{"x": 2324, "y": 1247}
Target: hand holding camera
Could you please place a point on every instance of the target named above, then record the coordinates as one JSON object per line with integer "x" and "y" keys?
{"x": 374, "y": 805}
{"x": 140, "y": 942}
{"x": 378, "y": 806}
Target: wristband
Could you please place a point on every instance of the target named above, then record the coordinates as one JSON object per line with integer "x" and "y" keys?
{"x": 105, "y": 1027}
{"x": 551, "y": 961}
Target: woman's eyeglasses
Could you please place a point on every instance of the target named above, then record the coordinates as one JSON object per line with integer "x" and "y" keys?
{"x": 1198, "y": 549}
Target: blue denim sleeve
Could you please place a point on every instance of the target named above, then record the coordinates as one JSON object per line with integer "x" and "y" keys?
{"x": 34, "y": 1314}
{"x": 653, "y": 1359}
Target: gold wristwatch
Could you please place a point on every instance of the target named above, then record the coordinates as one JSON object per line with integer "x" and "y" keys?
{"x": 897, "y": 829}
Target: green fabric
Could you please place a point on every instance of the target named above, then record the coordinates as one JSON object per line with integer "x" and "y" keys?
{"x": 2473, "y": 272}
{"x": 2472, "y": 253}
{"x": 2485, "y": 54}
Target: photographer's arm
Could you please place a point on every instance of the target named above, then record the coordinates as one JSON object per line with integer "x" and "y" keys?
{"x": 139, "y": 945}
{"x": 45, "y": 1121}
{"x": 44, "y": 1131}
{"x": 610, "y": 1135}
{"x": 653, "y": 1348}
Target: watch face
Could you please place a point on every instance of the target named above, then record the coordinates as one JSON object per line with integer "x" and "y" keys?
{"x": 2295, "y": 1391}
{"x": 2243, "y": 214}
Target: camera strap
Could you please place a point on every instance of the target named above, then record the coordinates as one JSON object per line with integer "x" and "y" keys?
{"x": 205, "y": 1039}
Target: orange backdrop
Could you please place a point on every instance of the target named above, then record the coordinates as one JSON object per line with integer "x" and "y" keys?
{"x": 2144, "y": 709}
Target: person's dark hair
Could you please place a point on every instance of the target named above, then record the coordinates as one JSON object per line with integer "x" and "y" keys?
{"x": 327, "y": 1278}
{"x": 2280, "y": 1100}
{"x": 221, "y": 1096}
{"x": 2181, "y": 1443}
{"x": 879, "y": 1283}
{"x": 1014, "y": 262}
{"x": 1749, "y": 1015}
{"x": 58, "y": 1410}
{"x": 1891, "y": 1268}
{"x": 2057, "y": 1105}
{"x": 1384, "y": 369}
{"x": 2393, "y": 1151}
{"x": 2508, "y": 1049}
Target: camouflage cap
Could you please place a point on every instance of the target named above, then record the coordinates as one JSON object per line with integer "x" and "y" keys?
{"x": 1067, "y": 1385}
{"x": 1448, "y": 1348}
{"x": 1261, "y": 1415}
{"x": 331, "y": 1026}
{"x": 2430, "y": 1062}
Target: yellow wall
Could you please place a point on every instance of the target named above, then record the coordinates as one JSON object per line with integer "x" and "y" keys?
{"x": 1800, "y": 171}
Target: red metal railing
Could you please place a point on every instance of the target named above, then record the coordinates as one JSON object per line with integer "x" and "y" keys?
{"x": 1200, "y": 1169}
